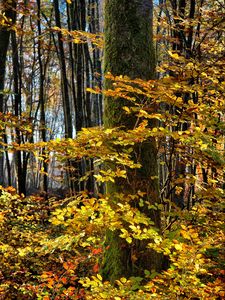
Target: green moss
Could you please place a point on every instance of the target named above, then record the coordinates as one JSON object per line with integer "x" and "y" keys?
{"x": 117, "y": 262}
{"x": 128, "y": 39}
{"x": 128, "y": 49}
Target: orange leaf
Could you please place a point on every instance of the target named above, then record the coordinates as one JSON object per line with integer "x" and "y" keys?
{"x": 68, "y": 265}
{"x": 96, "y": 268}
{"x": 64, "y": 280}
{"x": 97, "y": 251}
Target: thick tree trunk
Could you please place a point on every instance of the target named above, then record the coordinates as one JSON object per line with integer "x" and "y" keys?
{"x": 129, "y": 51}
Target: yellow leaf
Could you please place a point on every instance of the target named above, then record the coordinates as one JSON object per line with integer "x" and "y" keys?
{"x": 126, "y": 109}
{"x": 104, "y": 296}
{"x": 99, "y": 277}
{"x": 1, "y": 217}
{"x": 108, "y": 131}
{"x": 99, "y": 144}
{"x": 185, "y": 234}
{"x": 204, "y": 146}
{"x": 178, "y": 247}
{"x": 174, "y": 55}
{"x": 129, "y": 240}
{"x": 90, "y": 90}
{"x": 60, "y": 217}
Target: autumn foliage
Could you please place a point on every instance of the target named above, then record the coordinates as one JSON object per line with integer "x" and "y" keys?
{"x": 53, "y": 247}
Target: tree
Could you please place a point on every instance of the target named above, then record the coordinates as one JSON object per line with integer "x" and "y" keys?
{"x": 65, "y": 91}
{"x": 7, "y": 18}
{"x": 129, "y": 51}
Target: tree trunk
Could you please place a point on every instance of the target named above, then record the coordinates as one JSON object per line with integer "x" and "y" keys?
{"x": 21, "y": 174}
{"x": 7, "y": 8}
{"x": 129, "y": 51}
{"x": 64, "y": 81}
{"x": 42, "y": 98}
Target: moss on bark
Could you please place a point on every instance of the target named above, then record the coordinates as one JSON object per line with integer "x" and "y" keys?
{"x": 129, "y": 51}
{"x": 128, "y": 48}
{"x": 117, "y": 258}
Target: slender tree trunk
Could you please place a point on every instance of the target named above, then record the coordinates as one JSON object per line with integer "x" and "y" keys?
{"x": 65, "y": 90}
{"x": 7, "y": 8}
{"x": 64, "y": 80}
{"x": 129, "y": 51}
{"x": 94, "y": 25}
{"x": 8, "y": 167}
{"x": 82, "y": 73}
{"x": 21, "y": 175}
{"x": 184, "y": 47}
{"x": 42, "y": 97}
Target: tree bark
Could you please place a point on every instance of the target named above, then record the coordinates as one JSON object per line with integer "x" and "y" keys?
{"x": 21, "y": 173}
{"x": 8, "y": 9}
{"x": 129, "y": 51}
{"x": 42, "y": 97}
{"x": 64, "y": 80}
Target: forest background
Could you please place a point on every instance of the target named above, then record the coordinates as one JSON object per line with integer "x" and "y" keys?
{"x": 81, "y": 218}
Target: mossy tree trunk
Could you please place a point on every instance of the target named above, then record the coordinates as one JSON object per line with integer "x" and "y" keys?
{"x": 129, "y": 51}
